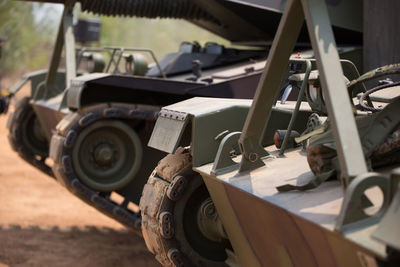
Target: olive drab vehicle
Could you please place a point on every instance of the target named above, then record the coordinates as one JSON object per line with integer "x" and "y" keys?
{"x": 105, "y": 118}
{"x": 100, "y": 123}
{"x": 312, "y": 182}
{"x": 99, "y": 148}
{"x": 33, "y": 122}
{"x": 112, "y": 110}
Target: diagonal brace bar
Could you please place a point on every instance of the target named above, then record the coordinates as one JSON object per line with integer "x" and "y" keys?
{"x": 346, "y": 136}
{"x": 345, "y": 133}
{"x": 65, "y": 36}
{"x": 56, "y": 56}
{"x": 69, "y": 39}
{"x": 269, "y": 86}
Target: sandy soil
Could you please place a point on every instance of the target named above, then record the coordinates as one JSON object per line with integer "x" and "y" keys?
{"x": 42, "y": 224}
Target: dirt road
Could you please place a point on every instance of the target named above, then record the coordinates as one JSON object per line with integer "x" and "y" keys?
{"x": 42, "y": 224}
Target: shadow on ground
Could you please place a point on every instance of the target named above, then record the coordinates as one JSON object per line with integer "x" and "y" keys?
{"x": 72, "y": 246}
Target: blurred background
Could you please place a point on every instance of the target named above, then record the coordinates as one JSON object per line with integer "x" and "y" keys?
{"x": 30, "y": 30}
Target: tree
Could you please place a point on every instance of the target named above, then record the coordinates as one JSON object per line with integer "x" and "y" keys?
{"x": 28, "y": 42}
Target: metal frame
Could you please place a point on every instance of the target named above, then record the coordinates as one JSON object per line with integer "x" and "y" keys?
{"x": 298, "y": 103}
{"x": 65, "y": 37}
{"x": 315, "y": 13}
{"x": 116, "y": 53}
{"x": 144, "y": 50}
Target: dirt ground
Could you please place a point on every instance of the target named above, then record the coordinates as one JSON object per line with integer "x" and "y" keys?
{"x": 42, "y": 224}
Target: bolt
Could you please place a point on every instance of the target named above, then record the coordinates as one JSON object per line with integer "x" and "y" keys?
{"x": 209, "y": 210}
{"x": 253, "y": 157}
{"x": 103, "y": 154}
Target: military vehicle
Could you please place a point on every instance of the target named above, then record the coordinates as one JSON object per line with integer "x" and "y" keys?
{"x": 260, "y": 183}
{"x": 35, "y": 116}
{"x": 26, "y": 134}
{"x": 98, "y": 148}
{"x": 178, "y": 76}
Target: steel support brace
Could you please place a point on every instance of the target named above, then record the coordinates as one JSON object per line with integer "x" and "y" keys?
{"x": 269, "y": 86}
{"x": 297, "y": 107}
{"x": 69, "y": 39}
{"x": 56, "y": 56}
{"x": 348, "y": 144}
{"x": 346, "y": 136}
{"x": 65, "y": 36}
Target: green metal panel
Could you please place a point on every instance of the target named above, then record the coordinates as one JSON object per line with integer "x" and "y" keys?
{"x": 206, "y": 127}
{"x": 210, "y": 109}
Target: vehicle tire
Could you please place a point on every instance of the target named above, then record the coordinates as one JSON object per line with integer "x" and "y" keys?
{"x": 97, "y": 151}
{"x": 172, "y": 206}
{"x": 26, "y": 136}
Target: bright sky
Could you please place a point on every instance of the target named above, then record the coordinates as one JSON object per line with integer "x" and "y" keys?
{"x": 53, "y": 11}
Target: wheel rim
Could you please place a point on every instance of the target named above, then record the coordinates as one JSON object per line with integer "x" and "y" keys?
{"x": 190, "y": 230}
{"x": 33, "y": 136}
{"x": 107, "y": 155}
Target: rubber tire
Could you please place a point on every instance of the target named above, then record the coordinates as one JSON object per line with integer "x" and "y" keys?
{"x": 75, "y": 123}
{"x": 170, "y": 247}
{"x": 22, "y": 111}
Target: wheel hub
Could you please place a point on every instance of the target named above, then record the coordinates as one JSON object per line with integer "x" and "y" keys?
{"x": 105, "y": 155}
{"x": 209, "y": 223}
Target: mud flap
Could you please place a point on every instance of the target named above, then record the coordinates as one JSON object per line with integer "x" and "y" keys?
{"x": 168, "y": 130}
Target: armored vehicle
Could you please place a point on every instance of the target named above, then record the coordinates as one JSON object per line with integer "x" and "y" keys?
{"x": 260, "y": 183}
{"x": 98, "y": 148}
{"x": 33, "y": 122}
{"x": 129, "y": 93}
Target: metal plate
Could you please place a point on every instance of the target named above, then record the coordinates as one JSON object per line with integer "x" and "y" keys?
{"x": 168, "y": 130}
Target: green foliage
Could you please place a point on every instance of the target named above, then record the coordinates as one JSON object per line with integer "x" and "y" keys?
{"x": 161, "y": 35}
{"x": 28, "y": 42}
{"x": 30, "y": 29}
